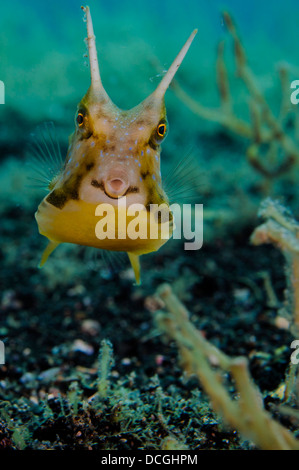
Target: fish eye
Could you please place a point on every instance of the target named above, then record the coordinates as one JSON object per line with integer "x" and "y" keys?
{"x": 80, "y": 119}
{"x": 161, "y": 129}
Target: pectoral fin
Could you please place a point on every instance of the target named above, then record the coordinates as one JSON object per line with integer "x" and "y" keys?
{"x": 48, "y": 250}
{"x": 134, "y": 260}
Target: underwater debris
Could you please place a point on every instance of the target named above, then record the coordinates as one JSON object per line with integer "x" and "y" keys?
{"x": 202, "y": 358}
{"x": 265, "y": 131}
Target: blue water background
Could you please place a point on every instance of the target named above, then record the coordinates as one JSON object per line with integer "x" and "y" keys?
{"x": 42, "y": 44}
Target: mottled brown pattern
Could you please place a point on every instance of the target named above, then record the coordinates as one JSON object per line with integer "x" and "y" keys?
{"x": 57, "y": 198}
{"x": 97, "y": 184}
{"x": 89, "y": 166}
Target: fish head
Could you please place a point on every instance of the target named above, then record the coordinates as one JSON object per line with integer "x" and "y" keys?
{"x": 115, "y": 153}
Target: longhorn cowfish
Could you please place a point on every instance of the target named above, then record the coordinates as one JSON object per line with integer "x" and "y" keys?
{"x": 113, "y": 155}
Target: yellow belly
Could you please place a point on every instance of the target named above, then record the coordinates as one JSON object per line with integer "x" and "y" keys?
{"x": 78, "y": 223}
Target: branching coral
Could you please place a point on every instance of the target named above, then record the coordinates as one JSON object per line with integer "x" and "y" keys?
{"x": 264, "y": 129}
{"x": 282, "y": 230}
{"x": 200, "y": 357}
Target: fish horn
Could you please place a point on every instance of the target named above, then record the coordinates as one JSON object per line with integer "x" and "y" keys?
{"x": 166, "y": 80}
{"x": 96, "y": 82}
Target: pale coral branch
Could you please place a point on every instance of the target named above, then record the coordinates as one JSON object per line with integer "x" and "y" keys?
{"x": 283, "y": 232}
{"x": 250, "y": 81}
{"x": 200, "y": 357}
{"x": 217, "y": 115}
{"x": 222, "y": 80}
{"x": 264, "y": 127}
{"x": 295, "y": 284}
{"x": 285, "y": 105}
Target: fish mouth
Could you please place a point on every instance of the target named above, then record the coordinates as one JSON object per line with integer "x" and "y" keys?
{"x": 116, "y": 187}
{"x": 116, "y": 182}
